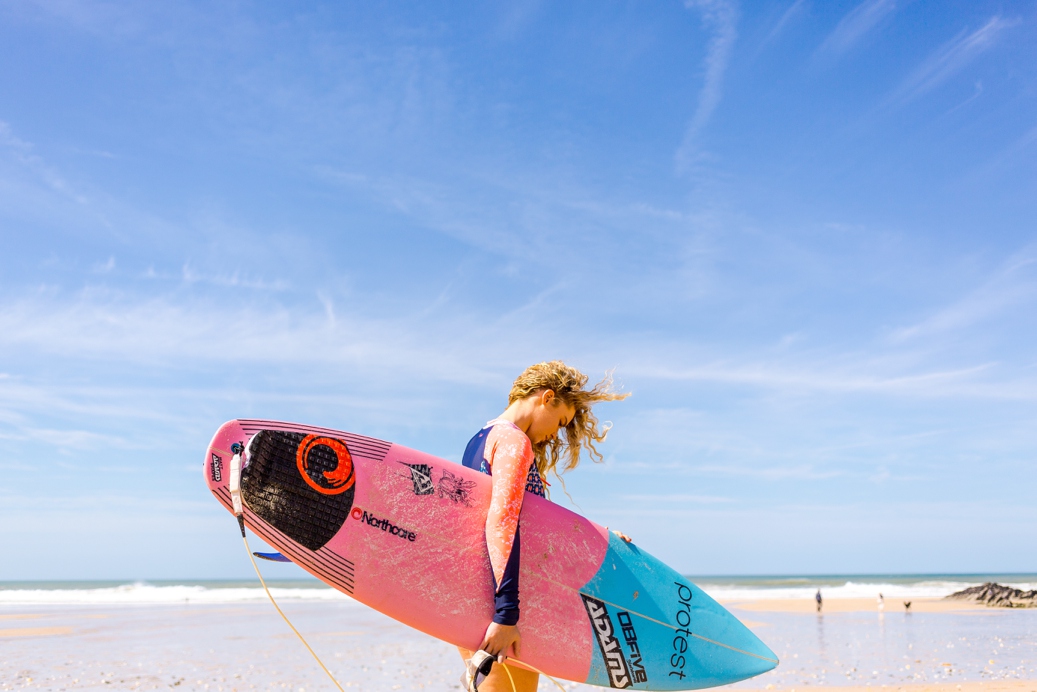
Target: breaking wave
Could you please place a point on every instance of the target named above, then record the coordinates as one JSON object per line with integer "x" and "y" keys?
{"x": 142, "y": 593}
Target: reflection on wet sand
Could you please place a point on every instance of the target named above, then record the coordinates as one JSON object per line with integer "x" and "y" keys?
{"x": 934, "y": 643}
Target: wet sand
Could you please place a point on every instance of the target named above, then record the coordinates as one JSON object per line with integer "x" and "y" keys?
{"x": 217, "y": 648}
{"x": 936, "y": 645}
{"x": 35, "y": 631}
{"x": 998, "y": 686}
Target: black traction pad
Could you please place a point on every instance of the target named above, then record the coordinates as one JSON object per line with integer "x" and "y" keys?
{"x": 273, "y": 486}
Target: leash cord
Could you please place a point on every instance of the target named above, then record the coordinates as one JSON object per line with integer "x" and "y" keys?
{"x": 285, "y": 617}
{"x": 534, "y": 668}
{"x": 510, "y": 677}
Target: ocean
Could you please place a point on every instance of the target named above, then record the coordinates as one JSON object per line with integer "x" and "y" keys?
{"x": 721, "y": 588}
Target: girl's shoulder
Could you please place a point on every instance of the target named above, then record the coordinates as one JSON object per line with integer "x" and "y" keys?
{"x": 503, "y": 433}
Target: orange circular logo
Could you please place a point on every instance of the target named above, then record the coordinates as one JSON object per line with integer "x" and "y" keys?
{"x": 326, "y": 476}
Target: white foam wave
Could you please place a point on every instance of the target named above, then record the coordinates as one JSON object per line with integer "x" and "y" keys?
{"x": 148, "y": 594}
{"x": 151, "y": 594}
{"x": 850, "y": 589}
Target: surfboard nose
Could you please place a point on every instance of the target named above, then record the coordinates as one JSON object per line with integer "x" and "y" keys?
{"x": 676, "y": 636}
{"x": 721, "y": 647}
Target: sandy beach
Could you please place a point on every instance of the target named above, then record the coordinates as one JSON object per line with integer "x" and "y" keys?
{"x": 997, "y": 686}
{"x": 216, "y": 647}
{"x": 940, "y": 646}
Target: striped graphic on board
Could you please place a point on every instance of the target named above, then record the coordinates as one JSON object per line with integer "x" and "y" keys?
{"x": 366, "y": 447}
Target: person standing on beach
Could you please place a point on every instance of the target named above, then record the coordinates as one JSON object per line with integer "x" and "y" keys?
{"x": 817, "y": 597}
{"x": 517, "y": 449}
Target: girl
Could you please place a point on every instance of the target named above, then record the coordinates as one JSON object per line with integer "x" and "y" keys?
{"x": 517, "y": 449}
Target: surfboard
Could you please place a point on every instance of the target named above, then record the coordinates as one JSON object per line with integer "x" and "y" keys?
{"x": 404, "y": 533}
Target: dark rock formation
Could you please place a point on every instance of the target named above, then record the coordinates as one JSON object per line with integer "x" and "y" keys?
{"x": 997, "y": 595}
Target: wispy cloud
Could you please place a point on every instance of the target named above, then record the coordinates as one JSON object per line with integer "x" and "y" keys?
{"x": 104, "y": 267}
{"x": 70, "y": 439}
{"x": 235, "y": 280}
{"x": 794, "y": 10}
{"x": 772, "y": 473}
{"x": 496, "y": 228}
{"x": 158, "y": 331}
{"x": 23, "y": 152}
{"x": 951, "y": 58}
{"x": 515, "y": 18}
{"x": 772, "y": 375}
{"x": 524, "y": 217}
{"x": 1013, "y": 284}
{"x": 977, "y": 91}
{"x": 103, "y": 19}
{"x": 1017, "y": 152}
{"x": 721, "y": 18}
{"x": 681, "y": 498}
{"x": 855, "y": 26}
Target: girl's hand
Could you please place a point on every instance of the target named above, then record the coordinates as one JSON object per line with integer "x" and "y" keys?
{"x": 625, "y": 537}
{"x": 499, "y": 638}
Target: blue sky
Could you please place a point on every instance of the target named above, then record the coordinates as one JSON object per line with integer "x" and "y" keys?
{"x": 802, "y": 233}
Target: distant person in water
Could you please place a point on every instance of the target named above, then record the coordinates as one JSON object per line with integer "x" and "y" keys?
{"x": 881, "y": 603}
{"x": 518, "y": 448}
{"x": 817, "y": 597}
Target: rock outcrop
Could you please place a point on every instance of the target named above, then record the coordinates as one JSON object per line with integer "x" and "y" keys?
{"x": 997, "y": 596}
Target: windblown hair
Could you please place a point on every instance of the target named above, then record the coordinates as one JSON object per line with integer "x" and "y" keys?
{"x": 582, "y": 432}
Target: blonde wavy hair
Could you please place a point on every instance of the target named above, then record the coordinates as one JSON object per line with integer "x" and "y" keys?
{"x": 582, "y": 432}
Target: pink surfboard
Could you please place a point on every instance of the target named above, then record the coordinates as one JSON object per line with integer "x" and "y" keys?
{"x": 403, "y": 532}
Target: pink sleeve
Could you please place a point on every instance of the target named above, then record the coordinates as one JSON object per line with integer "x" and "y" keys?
{"x": 509, "y": 454}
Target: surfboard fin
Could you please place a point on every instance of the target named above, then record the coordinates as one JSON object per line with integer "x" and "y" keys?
{"x": 273, "y": 557}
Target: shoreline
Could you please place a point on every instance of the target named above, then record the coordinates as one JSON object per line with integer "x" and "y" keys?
{"x": 861, "y": 605}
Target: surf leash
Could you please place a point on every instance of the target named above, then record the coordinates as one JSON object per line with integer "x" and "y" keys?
{"x": 510, "y": 677}
{"x": 235, "y": 495}
{"x": 533, "y": 668}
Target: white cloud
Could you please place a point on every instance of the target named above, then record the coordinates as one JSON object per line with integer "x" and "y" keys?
{"x": 855, "y": 25}
{"x": 1014, "y": 284}
{"x": 69, "y": 439}
{"x": 102, "y": 19}
{"x": 721, "y": 18}
{"x": 682, "y": 498}
{"x": 951, "y": 58}
{"x": 104, "y": 267}
{"x": 235, "y": 280}
{"x": 176, "y": 333}
{"x": 22, "y": 153}
{"x": 852, "y": 378}
{"x": 771, "y": 473}
{"x": 787, "y": 16}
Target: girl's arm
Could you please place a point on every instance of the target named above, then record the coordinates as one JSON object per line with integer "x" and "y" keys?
{"x": 510, "y": 455}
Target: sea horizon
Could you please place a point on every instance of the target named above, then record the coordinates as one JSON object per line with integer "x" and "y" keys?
{"x": 721, "y": 587}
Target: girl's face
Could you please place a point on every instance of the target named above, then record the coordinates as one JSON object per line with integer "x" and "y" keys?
{"x": 550, "y": 415}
